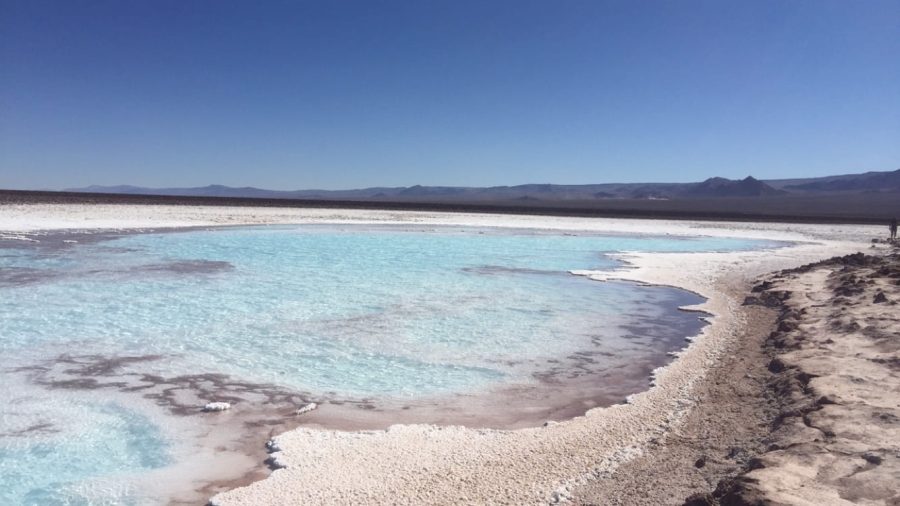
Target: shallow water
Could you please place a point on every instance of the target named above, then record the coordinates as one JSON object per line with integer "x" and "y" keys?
{"x": 365, "y": 313}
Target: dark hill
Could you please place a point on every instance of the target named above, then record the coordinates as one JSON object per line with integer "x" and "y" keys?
{"x": 721, "y": 187}
{"x": 712, "y": 188}
{"x": 870, "y": 181}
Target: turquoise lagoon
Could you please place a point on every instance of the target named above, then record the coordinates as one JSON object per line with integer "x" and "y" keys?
{"x": 355, "y": 312}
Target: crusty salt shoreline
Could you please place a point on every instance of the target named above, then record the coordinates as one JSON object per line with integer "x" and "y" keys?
{"x": 415, "y": 464}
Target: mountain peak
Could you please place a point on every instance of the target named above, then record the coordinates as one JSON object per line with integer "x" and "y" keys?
{"x": 722, "y": 187}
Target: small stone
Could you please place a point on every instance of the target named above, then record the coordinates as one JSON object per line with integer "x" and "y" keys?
{"x": 871, "y": 458}
{"x": 880, "y": 298}
{"x": 700, "y": 462}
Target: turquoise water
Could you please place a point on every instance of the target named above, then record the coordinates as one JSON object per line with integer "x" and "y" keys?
{"x": 87, "y": 454}
{"x": 363, "y": 312}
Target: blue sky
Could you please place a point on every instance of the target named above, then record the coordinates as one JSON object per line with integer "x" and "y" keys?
{"x": 345, "y": 94}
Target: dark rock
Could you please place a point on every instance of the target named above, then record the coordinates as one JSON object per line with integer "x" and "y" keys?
{"x": 752, "y": 301}
{"x": 700, "y": 499}
{"x": 880, "y": 298}
{"x": 781, "y": 295}
{"x": 762, "y": 287}
{"x": 856, "y": 259}
{"x": 700, "y": 462}
{"x": 871, "y": 458}
{"x": 787, "y": 326}
{"x": 848, "y": 290}
{"x": 776, "y": 366}
{"x": 755, "y": 463}
{"x": 768, "y": 299}
{"x": 851, "y": 327}
{"x": 805, "y": 377}
{"x": 738, "y": 492}
{"x": 273, "y": 464}
{"x": 790, "y": 315}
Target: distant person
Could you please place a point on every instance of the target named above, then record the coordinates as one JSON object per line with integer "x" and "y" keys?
{"x": 894, "y": 230}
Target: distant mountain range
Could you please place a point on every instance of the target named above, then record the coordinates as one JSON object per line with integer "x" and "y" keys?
{"x": 716, "y": 187}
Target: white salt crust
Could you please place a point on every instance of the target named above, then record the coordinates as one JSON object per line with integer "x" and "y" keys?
{"x": 427, "y": 464}
{"x": 306, "y": 408}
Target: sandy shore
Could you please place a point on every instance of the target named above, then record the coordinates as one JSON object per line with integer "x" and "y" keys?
{"x": 416, "y": 464}
{"x": 835, "y": 374}
{"x": 802, "y": 410}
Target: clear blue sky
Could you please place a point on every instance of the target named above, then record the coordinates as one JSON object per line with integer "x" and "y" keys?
{"x": 341, "y": 94}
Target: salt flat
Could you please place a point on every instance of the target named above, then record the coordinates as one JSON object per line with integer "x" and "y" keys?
{"x": 415, "y": 464}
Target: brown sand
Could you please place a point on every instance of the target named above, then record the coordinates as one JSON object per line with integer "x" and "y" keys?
{"x": 836, "y": 438}
{"x": 719, "y": 436}
{"x": 805, "y": 411}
